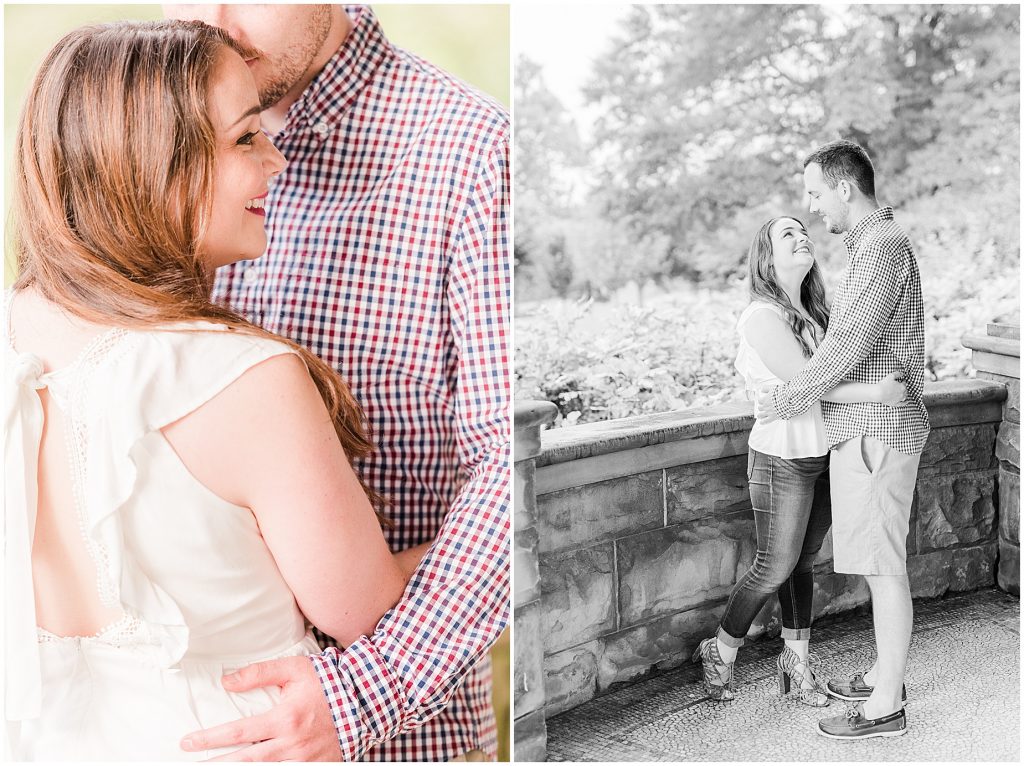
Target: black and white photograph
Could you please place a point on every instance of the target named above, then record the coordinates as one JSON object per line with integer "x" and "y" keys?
{"x": 766, "y": 419}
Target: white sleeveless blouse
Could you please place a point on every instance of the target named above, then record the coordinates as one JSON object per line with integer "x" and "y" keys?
{"x": 801, "y": 436}
{"x": 200, "y": 591}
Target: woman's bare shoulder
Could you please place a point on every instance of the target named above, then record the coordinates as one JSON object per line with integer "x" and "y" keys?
{"x": 759, "y": 313}
{"x": 270, "y": 414}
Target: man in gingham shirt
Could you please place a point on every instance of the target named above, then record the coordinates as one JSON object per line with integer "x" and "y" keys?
{"x": 388, "y": 257}
{"x": 876, "y": 327}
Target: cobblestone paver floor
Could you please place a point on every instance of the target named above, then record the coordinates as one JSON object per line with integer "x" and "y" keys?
{"x": 963, "y": 689}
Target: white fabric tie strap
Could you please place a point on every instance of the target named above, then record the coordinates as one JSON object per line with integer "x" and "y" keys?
{"x": 23, "y": 433}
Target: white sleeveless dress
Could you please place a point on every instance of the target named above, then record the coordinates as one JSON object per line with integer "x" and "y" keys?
{"x": 800, "y": 436}
{"x": 199, "y": 589}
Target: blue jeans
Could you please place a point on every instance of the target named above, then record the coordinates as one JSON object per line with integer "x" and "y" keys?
{"x": 792, "y": 514}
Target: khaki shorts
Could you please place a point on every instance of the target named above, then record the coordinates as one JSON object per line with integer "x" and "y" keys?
{"x": 872, "y": 491}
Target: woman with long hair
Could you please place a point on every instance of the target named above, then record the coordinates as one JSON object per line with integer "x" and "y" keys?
{"x": 787, "y": 464}
{"x": 179, "y": 498}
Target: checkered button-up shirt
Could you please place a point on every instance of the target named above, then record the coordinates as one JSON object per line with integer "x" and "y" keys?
{"x": 389, "y": 258}
{"x": 876, "y": 327}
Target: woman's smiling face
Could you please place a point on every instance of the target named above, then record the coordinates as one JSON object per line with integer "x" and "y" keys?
{"x": 245, "y": 161}
{"x": 792, "y": 249}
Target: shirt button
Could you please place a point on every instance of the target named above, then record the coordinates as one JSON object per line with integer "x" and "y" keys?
{"x": 249, "y": 276}
{"x": 321, "y": 128}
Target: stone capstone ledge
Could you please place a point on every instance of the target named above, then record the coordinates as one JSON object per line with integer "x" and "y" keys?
{"x": 581, "y": 455}
{"x": 992, "y": 344}
{"x": 529, "y": 417}
{"x": 995, "y": 353}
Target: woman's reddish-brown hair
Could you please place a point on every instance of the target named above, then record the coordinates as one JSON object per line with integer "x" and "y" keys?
{"x": 114, "y": 160}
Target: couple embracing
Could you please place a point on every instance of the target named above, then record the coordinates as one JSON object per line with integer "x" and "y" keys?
{"x": 840, "y": 426}
{"x": 209, "y": 451}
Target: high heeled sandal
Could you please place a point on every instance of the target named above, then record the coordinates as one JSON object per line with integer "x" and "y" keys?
{"x": 790, "y": 674}
{"x": 717, "y": 685}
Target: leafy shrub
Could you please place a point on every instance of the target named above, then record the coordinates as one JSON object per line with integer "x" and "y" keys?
{"x": 640, "y": 354}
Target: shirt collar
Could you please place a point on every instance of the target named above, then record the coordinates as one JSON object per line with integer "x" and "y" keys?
{"x": 853, "y": 237}
{"x": 345, "y": 75}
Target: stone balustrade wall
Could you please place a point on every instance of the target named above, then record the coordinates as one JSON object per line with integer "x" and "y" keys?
{"x": 643, "y": 525}
{"x": 997, "y": 357}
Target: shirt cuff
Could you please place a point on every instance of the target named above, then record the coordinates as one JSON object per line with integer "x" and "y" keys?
{"x": 363, "y": 696}
{"x": 782, "y": 409}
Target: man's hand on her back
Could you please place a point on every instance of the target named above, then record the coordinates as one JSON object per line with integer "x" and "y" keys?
{"x": 765, "y": 409}
{"x": 298, "y": 728}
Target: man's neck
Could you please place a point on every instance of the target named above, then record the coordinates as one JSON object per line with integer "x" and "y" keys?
{"x": 274, "y": 117}
{"x": 860, "y": 210}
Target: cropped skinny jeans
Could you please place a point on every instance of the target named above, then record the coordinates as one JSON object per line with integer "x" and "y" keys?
{"x": 792, "y": 514}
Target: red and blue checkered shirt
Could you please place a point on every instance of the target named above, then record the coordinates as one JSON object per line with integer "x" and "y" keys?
{"x": 389, "y": 258}
{"x": 876, "y": 327}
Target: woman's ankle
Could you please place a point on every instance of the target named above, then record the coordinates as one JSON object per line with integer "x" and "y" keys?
{"x": 726, "y": 652}
{"x": 799, "y": 646}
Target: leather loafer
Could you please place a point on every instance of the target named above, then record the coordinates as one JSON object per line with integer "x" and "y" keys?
{"x": 854, "y": 725}
{"x": 854, "y": 689}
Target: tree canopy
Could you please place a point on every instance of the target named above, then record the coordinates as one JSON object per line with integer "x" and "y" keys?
{"x": 706, "y": 112}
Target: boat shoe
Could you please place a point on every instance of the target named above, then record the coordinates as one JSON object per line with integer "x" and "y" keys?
{"x": 854, "y": 689}
{"x": 854, "y": 725}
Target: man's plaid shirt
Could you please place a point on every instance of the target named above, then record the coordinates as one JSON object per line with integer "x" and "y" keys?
{"x": 876, "y": 327}
{"x": 389, "y": 258}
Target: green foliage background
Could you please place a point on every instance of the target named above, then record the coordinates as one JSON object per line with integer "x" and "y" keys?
{"x": 470, "y": 41}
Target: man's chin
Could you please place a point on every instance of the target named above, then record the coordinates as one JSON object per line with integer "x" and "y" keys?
{"x": 271, "y": 93}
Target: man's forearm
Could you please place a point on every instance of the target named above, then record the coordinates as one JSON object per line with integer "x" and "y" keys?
{"x": 454, "y": 609}
{"x": 826, "y": 370}
{"x": 875, "y": 282}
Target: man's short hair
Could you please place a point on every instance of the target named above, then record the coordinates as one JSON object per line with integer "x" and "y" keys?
{"x": 844, "y": 160}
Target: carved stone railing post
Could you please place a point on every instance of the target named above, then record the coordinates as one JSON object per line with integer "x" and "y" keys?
{"x": 997, "y": 357}
{"x": 528, "y": 681}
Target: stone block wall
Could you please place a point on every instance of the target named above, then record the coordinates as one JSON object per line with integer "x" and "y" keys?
{"x": 997, "y": 357}
{"x": 530, "y": 731}
{"x": 643, "y": 526}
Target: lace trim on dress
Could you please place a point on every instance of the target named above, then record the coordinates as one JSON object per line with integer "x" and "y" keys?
{"x": 122, "y": 632}
{"x": 77, "y": 436}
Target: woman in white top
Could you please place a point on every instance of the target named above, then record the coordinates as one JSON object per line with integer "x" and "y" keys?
{"x": 179, "y": 499}
{"x": 787, "y": 467}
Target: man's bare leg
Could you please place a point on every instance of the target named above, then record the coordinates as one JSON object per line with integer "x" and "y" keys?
{"x": 893, "y": 613}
